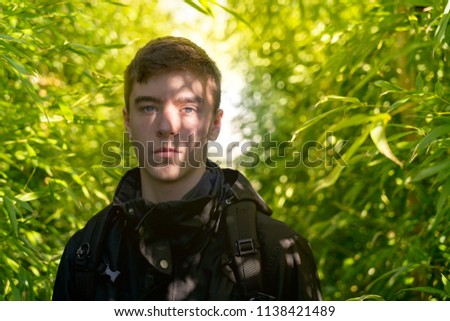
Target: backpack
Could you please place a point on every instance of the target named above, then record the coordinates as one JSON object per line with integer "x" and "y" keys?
{"x": 242, "y": 245}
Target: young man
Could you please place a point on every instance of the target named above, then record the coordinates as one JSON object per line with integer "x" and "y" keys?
{"x": 179, "y": 227}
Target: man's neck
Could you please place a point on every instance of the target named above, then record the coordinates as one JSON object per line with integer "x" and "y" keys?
{"x": 158, "y": 191}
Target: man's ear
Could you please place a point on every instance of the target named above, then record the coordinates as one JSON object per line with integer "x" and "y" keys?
{"x": 126, "y": 121}
{"x": 216, "y": 125}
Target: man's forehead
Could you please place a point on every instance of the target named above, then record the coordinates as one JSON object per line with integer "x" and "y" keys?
{"x": 187, "y": 74}
{"x": 180, "y": 85}
{"x": 181, "y": 98}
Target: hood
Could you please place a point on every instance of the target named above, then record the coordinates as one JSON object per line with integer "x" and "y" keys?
{"x": 240, "y": 187}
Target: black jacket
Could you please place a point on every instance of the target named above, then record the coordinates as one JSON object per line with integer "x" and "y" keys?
{"x": 199, "y": 268}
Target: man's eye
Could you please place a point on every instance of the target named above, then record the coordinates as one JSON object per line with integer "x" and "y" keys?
{"x": 188, "y": 110}
{"x": 149, "y": 109}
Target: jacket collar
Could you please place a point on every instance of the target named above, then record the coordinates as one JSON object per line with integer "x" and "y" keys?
{"x": 129, "y": 188}
{"x": 180, "y": 226}
{"x": 158, "y": 251}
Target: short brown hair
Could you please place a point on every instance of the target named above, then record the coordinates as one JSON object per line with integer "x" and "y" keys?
{"x": 167, "y": 54}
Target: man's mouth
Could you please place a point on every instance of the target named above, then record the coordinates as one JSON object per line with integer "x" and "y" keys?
{"x": 166, "y": 152}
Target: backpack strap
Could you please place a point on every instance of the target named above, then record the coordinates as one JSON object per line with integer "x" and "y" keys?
{"x": 88, "y": 259}
{"x": 243, "y": 245}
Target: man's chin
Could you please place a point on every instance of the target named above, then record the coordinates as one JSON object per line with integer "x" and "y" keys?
{"x": 170, "y": 163}
{"x": 166, "y": 173}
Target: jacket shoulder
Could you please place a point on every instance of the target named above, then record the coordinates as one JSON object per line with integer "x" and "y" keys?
{"x": 274, "y": 234}
{"x": 64, "y": 286}
{"x": 77, "y": 238}
{"x": 289, "y": 268}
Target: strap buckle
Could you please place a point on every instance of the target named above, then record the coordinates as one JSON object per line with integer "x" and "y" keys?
{"x": 83, "y": 251}
{"x": 245, "y": 247}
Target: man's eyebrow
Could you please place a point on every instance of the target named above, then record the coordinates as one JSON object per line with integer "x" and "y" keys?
{"x": 189, "y": 99}
{"x": 150, "y": 99}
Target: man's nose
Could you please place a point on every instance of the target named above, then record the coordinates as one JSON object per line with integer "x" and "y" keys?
{"x": 169, "y": 123}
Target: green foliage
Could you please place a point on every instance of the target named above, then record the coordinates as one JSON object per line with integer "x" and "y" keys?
{"x": 356, "y": 94}
{"x": 361, "y": 90}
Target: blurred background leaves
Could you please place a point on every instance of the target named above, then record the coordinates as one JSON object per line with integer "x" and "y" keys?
{"x": 357, "y": 91}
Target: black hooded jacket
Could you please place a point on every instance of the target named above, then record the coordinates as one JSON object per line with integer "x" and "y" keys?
{"x": 178, "y": 250}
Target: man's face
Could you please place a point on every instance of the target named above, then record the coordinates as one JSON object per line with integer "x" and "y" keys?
{"x": 170, "y": 120}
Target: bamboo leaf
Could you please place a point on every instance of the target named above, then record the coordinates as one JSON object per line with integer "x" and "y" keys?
{"x": 207, "y": 7}
{"x": 398, "y": 104}
{"x": 26, "y": 197}
{"x": 236, "y": 16}
{"x": 23, "y": 74}
{"x": 388, "y": 86}
{"x": 446, "y": 283}
{"x": 436, "y": 220}
{"x": 419, "y": 83}
{"x": 199, "y": 8}
{"x": 346, "y": 99}
{"x": 12, "y": 214}
{"x": 442, "y": 27}
{"x": 430, "y": 138}
{"x": 433, "y": 170}
{"x": 66, "y": 112}
{"x": 117, "y": 3}
{"x": 426, "y": 289}
{"x": 82, "y": 50}
{"x": 439, "y": 89}
{"x": 20, "y": 69}
{"x": 356, "y": 120}
{"x": 443, "y": 198}
{"x": 333, "y": 176}
{"x": 23, "y": 204}
{"x": 393, "y": 274}
{"x": 314, "y": 120}
{"x": 368, "y": 297}
{"x": 378, "y": 135}
{"x": 356, "y": 103}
